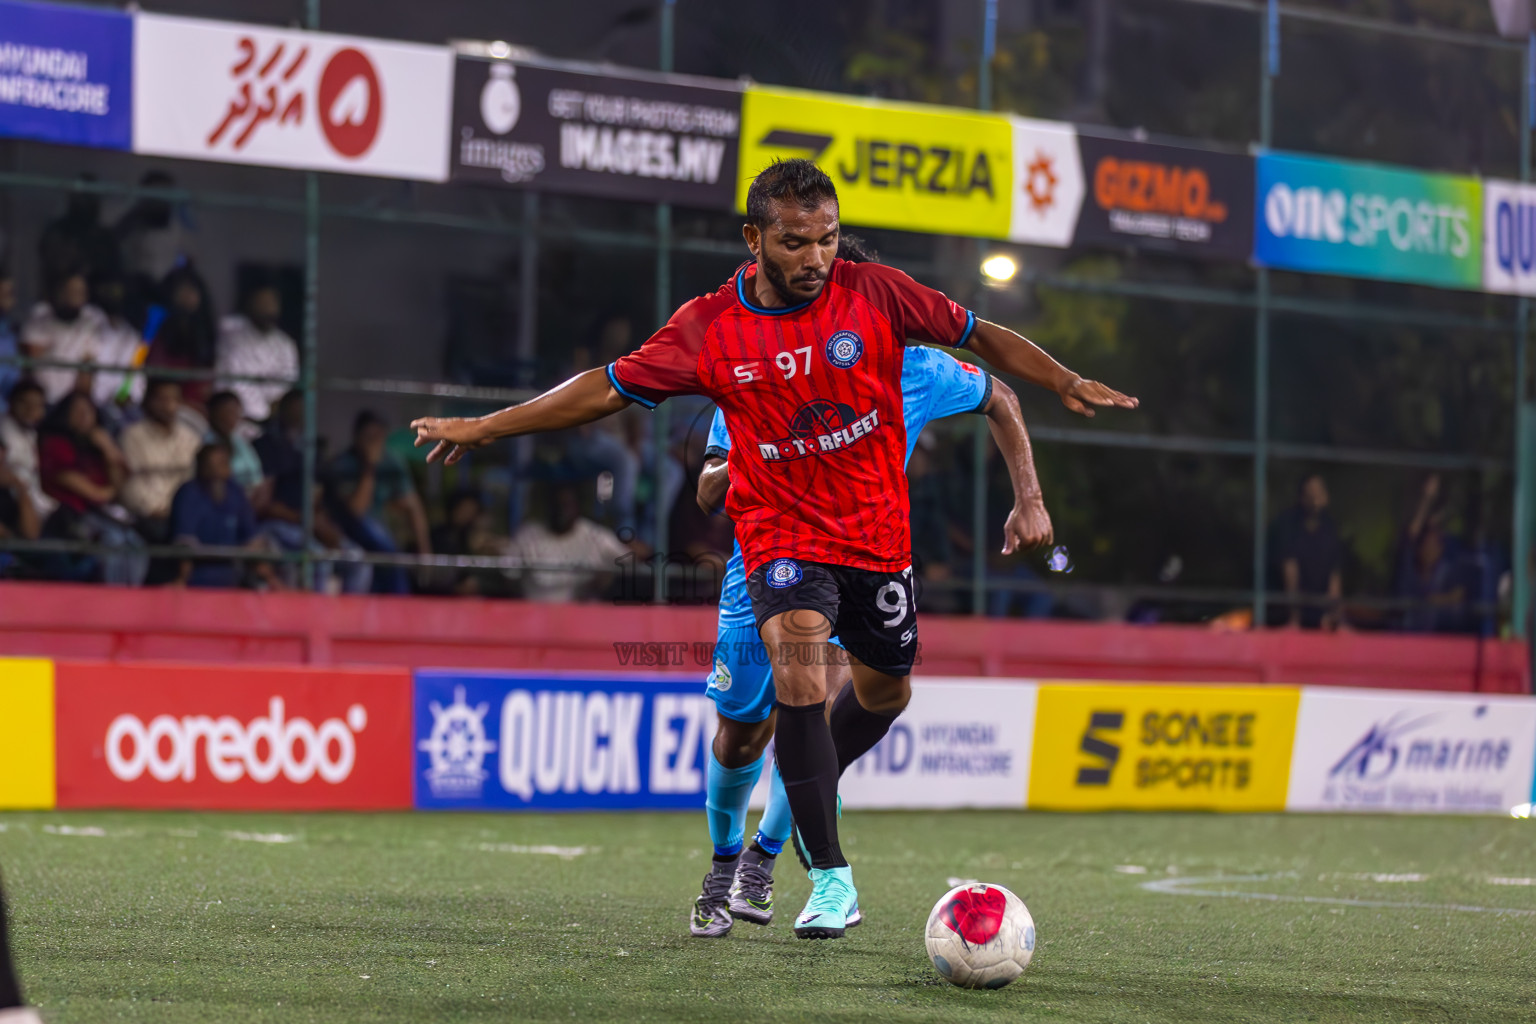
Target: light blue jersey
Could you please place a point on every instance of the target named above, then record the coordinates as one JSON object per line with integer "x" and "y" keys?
{"x": 934, "y": 384}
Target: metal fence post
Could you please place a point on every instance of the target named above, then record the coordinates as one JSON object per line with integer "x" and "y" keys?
{"x": 1269, "y": 60}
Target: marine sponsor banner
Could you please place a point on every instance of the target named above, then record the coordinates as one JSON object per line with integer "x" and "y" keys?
{"x": 629, "y": 137}
{"x": 1367, "y": 220}
{"x": 232, "y": 738}
{"x": 1047, "y": 187}
{"x": 1365, "y": 750}
{"x": 66, "y": 74}
{"x": 898, "y": 165}
{"x": 553, "y": 740}
{"x": 249, "y": 94}
{"x": 1168, "y": 198}
{"x": 1224, "y": 748}
{"x": 26, "y": 733}
{"x": 1509, "y": 237}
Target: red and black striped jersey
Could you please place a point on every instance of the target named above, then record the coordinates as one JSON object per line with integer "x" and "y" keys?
{"x": 811, "y": 395}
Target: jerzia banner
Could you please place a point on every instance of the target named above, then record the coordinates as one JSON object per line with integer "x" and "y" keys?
{"x": 653, "y": 138}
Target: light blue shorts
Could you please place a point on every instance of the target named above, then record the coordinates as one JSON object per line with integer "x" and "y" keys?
{"x": 741, "y": 681}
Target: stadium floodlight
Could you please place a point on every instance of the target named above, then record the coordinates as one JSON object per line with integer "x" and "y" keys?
{"x": 999, "y": 267}
{"x": 501, "y": 50}
{"x": 1522, "y": 810}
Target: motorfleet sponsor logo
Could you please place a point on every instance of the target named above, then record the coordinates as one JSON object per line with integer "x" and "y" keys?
{"x": 262, "y": 749}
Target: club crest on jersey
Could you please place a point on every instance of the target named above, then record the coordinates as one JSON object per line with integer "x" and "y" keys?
{"x": 844, "y": 349}
{"x": 818, "y": 427}
{"x": 783, "y": 572}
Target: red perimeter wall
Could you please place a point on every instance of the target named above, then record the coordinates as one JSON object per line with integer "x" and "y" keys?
{"x": 65, "y": 621}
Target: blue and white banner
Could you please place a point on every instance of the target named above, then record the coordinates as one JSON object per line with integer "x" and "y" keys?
{"x": 1509, "y": 237}
{"x": 66, "y": 75}
{"x": 499, "y": 740}
{"x": 1437, "y": 753}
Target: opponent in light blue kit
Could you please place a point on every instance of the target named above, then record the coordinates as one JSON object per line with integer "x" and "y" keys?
{"x": 740, "y": 884}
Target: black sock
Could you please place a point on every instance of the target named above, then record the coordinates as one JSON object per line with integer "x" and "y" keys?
{"x": 756, "y": 848}
{"x": 10, "y": 988}
{"x": 855, "y": 729}
{"x": 808, "y": 763}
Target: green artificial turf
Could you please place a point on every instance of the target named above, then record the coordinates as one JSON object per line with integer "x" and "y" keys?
{"x": 419, "y": 917}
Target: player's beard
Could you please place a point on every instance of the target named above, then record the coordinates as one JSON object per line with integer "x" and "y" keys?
{"x": 780, "y": 284}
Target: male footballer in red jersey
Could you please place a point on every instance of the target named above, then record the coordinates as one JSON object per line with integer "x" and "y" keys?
{"x": 803, "y": 353}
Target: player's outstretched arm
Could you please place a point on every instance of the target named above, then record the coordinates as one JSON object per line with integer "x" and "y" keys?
{"x": 714, "y": 481}
{"x": 1028, "y": 525}
{"x": 585, "y": 397}
{"x": 1017, "y": 355}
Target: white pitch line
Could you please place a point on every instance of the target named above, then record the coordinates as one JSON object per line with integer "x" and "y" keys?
{"x": 1180, "y": 887}
{"x": 261, "y": 837}
{"x": 563, "y": 852}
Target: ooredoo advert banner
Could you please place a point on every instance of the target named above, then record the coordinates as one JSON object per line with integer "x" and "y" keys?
{"x": 232, "y": 738}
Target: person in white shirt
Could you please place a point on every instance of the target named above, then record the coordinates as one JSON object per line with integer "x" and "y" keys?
{"x": 253, "y": 345}
{"x": 161, "y": 452}
{"x": 66, "y": 328}
{"x": 18, "y": 433}
{"x": 570, "y": 558}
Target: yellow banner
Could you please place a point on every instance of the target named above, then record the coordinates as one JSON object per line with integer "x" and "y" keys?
{"x": 26, "y": 733}
{"x": 1220, "y": 748}
{"x": 897, "y": 165}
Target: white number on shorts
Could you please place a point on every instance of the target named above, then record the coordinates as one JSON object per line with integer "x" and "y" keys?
{"x": 892, "y": 599}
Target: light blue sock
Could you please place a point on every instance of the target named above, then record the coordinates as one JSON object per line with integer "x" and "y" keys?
{"x": 726, "y": 792}
{"x": 773, "y": 829}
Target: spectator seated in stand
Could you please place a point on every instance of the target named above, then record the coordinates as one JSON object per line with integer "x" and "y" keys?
{"x": 83, "y": 470}
{"x": 1429, "y": 571}
{"x": 226, "y": 423}
{"x": 185, "y": 340}
{"x": 281, "y": 518}
{"x": 18, "y": 436}
{"x": 464, "y": 533}
{"x": 66, "y": 328}
{"x": 568, "y": 557}
{"x": 366, "y": 483}
{"x": 10, "y": 345}
{"x": 19, "y": 519}
{"x": 211, "y": 509}
{"x": 161, "y": 452}
{"x": 115, "y": 391}
{"x": 251, "y": 344}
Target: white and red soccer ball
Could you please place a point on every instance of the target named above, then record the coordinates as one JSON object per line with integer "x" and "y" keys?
{"x": 980, "y": 936}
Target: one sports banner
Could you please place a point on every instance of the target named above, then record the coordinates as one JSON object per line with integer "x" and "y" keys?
{"x": 231, "y": 737}
{"x": 907, "y": 166}
{"x": 500, "y": 740}
{"x": 66, "y": 74}
{"x": 650, "y": 138}
{"x": 1169, "y": 198}
{"x": 1369, "y": 750}
{"x": 210, "y": 90}
{"x": 1367, "y": 220}
{"x": 1509, "y": 237}
{"x": 1157, "y": 747}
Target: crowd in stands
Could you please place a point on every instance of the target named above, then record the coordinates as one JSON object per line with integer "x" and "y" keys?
{"x": 176, "y": 429}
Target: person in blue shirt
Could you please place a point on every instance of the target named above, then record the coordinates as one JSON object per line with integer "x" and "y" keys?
{"x": 934, "y": 385}
{"x": 212, "y": 510}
